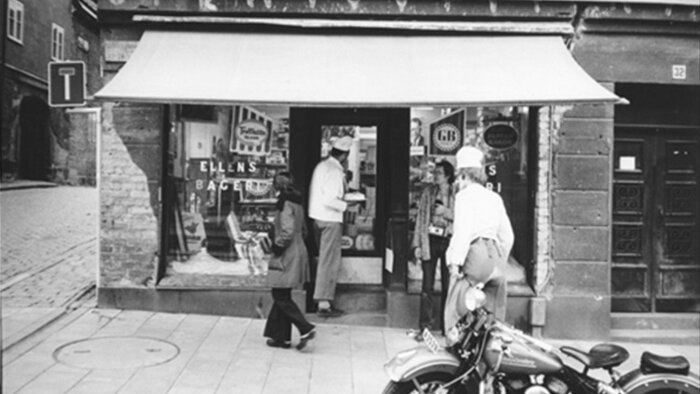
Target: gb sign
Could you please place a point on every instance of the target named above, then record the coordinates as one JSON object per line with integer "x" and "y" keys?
{"x": 66, "y": 84}
{"x": 446, "y": 134}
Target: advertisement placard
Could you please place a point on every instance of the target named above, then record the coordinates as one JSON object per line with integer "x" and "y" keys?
{"x": 447, "y": 134}
{"x": 251, "y": 132}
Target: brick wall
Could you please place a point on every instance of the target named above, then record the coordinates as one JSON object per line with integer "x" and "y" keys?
{"x": 130, "y": 177}
{"x": 573, "y": 219}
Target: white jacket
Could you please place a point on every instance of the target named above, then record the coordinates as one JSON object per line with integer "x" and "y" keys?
{"x": 479, "y": 212}
{"x": 327, "y": 190}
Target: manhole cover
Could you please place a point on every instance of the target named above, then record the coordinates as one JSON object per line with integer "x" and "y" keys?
{"x": 116, "y": 352}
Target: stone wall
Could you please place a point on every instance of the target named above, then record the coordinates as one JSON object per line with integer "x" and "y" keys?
{"x": 129, "y": 208}
{"x": 573, "y": 219}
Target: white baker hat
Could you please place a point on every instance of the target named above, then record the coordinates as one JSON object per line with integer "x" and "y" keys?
{"x": 469, "y": 157}
{"x": 343, "y": 143}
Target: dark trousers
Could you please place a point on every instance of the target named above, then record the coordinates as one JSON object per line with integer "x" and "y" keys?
{"x": 438, "y": 246}
{"x": 283, "y": 314}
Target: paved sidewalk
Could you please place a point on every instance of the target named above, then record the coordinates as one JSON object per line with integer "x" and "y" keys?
{"x": 113, "y": 351}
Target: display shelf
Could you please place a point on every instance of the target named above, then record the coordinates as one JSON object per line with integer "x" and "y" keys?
{"x": 260, "y": 202}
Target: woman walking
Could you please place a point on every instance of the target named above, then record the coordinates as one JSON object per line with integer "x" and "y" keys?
{"x": 288, "y": 268}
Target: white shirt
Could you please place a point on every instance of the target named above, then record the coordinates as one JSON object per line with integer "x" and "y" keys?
{"x": 327, "y": 190}
{"x": 478, "y": 212}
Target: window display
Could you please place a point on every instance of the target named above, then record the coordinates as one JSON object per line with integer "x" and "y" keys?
{"x": 222, "y": 201}
{"x": 502, "y": 133}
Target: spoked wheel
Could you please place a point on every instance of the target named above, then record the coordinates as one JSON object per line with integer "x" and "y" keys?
{"x": 429, "y": 384}
{"x": 666, "y": 385}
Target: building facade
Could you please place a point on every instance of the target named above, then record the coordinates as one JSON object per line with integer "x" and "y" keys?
{"x": 40, "y": 142}
{"x": 188, "y": 148}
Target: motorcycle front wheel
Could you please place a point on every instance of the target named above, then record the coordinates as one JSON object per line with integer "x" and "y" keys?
{"x": 429, "y": 383}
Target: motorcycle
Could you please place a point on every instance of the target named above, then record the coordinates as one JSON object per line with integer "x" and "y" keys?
{"x": 486, "y": 356}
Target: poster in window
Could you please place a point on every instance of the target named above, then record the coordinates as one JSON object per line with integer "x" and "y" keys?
{"x": 251, "y": 132}
{"x": 447, "y": 134}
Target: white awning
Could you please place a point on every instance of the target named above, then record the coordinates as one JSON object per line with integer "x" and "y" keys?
{"x": 352, "y": 70}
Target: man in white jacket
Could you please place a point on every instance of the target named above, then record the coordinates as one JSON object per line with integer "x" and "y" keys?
{"x": 482, "y": 237}
{"x": 326, "y": 207}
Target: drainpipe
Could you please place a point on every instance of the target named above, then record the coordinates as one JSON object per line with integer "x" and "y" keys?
{"x": 3, "y": 39}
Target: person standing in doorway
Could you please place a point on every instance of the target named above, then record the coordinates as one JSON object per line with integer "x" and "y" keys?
{"x": 326, "y": 208}
{"x": 482, "y": 236}
{"x": 289, "y": 267}
{"x": 431, "y": 236}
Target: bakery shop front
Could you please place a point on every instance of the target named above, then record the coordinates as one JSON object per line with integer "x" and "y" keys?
{"x": 198, "y": 121}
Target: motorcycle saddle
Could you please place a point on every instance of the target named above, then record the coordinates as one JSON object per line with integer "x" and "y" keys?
{"x": 604, "y": 355}
{"x": 652, "y": 363}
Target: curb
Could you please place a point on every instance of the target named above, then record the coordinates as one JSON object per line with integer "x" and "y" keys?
{"x": 26, "y": 332}
{"x": 46, "y": 320}
{"x": 18, "y": 185}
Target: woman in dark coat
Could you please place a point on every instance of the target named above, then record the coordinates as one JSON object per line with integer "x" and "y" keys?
{"x": 288, "y": 268}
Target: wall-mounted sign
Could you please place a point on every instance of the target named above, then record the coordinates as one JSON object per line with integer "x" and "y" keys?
{"x": 500, "y": 136}
{"x": 83, "y": 44}
{"x": 66, "y": 84}
{"x": 447, "y": 134}
{"x": 678, "y": 71}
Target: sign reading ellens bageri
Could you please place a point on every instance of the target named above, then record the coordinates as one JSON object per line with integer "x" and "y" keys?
{"x": 224, "y": 203}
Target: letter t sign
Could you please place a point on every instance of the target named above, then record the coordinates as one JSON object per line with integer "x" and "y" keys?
{"x": 66, "y": 84}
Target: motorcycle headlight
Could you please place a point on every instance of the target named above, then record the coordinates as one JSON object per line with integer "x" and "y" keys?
{"x": 474, "y": 298}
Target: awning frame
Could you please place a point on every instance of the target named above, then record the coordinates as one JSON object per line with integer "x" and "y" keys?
{"x": 354, "y": 59}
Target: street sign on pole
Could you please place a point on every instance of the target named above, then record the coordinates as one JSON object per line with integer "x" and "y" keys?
{"x": 66, "y": 84}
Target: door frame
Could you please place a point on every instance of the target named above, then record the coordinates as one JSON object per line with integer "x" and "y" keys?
{"x": 393, "y": 126}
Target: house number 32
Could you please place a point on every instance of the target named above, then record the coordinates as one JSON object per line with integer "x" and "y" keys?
{"x": 678, "y": 71}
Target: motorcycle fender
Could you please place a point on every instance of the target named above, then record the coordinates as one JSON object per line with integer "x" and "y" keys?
{"x": 634, "y": 380}
{"x": 418, "y": 361}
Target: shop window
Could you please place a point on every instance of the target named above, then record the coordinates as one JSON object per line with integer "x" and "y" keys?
{"x": 361, "y": 181}
{"x": 57, "y": 42}
{"x": 503, "y": 134}
{"x": 15, "y": 21}
{"x": 222, "y": 161}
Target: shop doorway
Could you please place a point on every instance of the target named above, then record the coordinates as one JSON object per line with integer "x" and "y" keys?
{"x": 34, "y": 139}
{"x": 371, "y": 164}
{"x": 656, "y": 202}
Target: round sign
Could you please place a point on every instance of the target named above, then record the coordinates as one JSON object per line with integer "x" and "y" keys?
{"x": 500, "y": 136}
{"x": 447, "y": 137}
{"x": 346, "y": 242}
{"x": 252, "y": 132}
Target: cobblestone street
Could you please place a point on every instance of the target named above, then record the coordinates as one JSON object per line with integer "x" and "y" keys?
{"x": 49, "y": 245}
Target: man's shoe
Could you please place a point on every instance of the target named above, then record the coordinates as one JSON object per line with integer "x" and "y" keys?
{"x": 279, "y": 344}
{"x": 304, "y": 339}
{"x": 330, "y": 312}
